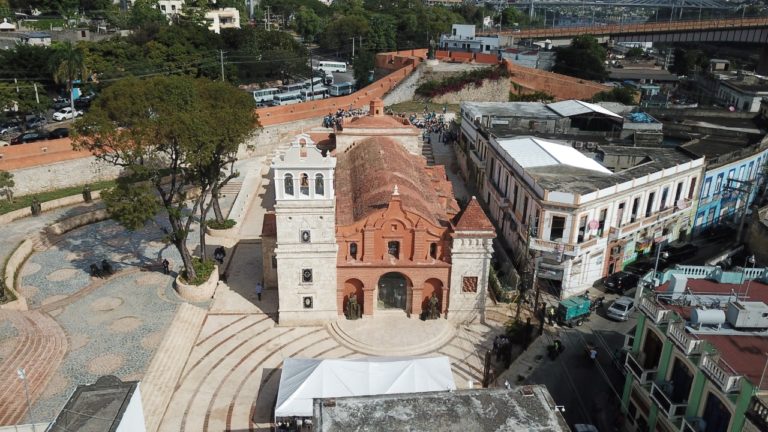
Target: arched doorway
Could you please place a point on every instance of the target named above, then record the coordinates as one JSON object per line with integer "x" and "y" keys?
{"x": 393, "y": 291}
{"x": 353, "y": 286}
{"x": 432, "y": 286}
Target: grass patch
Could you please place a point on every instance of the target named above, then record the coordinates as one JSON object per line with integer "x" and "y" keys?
{"x": 45, "y": 23}
{"x": 203, "y": 270}
{"x": 418, "y": 107}
{"x": 225, "y": 224}
{"x": 9, "y": 297}
{"x": 26, "y": 200}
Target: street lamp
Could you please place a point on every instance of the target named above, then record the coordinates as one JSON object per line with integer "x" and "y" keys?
{"x": 22, "y": 374}
{"x": 751, "y": 260}
{"x": 659, "y": 254}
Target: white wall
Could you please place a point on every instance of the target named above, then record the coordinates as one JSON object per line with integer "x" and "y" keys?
{"x": 133, "y": 418}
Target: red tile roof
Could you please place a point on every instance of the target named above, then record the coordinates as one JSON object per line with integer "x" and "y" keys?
{"x": 746, "y": 355}
{"x": 269, "y": 227}
{"x": 473, "y": 218}
{"x": 367, "y": 173}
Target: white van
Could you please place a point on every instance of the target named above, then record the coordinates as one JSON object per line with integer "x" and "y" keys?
{"x": 263, "y": 96}
{"x": 330, "y": 66}
{"x": 341, "y": 89}
{"x": 286, "y": 99}
{"x": 316, "y": 81}
{"x": 318, "y": 93}
{"x": 291, "y": 88}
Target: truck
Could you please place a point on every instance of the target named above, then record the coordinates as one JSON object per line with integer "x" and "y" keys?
{"x": 574, "y": 310}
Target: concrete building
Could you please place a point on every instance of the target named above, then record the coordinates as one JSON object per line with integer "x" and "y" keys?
{"x": 583, "y": 215}
{"x": 743, "y": 93}
{"x": 224, "y": 18}
{"x": 170, "y": 8}
{"x": 374, "y": 221}
{"x": 462, "y": 38}
{"x": 696, "y": 359}
{"x": 36, "y": 38}
{"x": 532, "y": 58}
{"x": 527, "y": 408}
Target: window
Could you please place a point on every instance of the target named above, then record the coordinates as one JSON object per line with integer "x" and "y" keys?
{"x": 304, "y": 185}
{"x": 288, "y": 184}
{"x": 705, "y": 189}
{"x": 306, "y": 236}
{"x": 319, "y": 185}
{"x": 535, "y": 226}
{"x": 601, "y": 222}
{"x": 525, "y": 209}
{"x": 649, "y": 206}
{"x": 678, "y": 193}
{"x": 353, "y": 250}
{"x": 433, "y": 250}
{"x": 664, "y": 196}
{"x": 469, "y": 284}
{"x": 620, "y": 213}
{"x": 306, "y": 275}
{"x": 582, "y": 229}
{"x": 307, "y": 302}
{"x": 274, "y": 261}
{"x": 718, "y": 184}
{"x": 558, "y": 227}
{"x": 692, "y": 190}
{"x": 514, "y": 197}
{"x": 635, "y": 209}
{"x": 393, "y": 249}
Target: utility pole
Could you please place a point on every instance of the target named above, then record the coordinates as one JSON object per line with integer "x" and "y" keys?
{"x": 745, "y": 188}
{"x": 353, "y": 48}
{"x": 37, "y": 96}
{"x": 266, "y": 18}
{"x": 222, "y": 65}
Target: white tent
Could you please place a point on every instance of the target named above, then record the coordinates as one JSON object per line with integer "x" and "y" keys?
{"x": 305, "y": 379}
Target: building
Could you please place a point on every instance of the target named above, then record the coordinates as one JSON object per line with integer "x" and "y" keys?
{"x": 743, "y": 93}
{"x": 696, "y": 359}
{"x": 733, "y": 175}
{"x": 170, "y": 8}
{"x": 528, "y": 57}
{"x": 462, "y": 38}
{"x": 527, "y": 408}
{"x": 224, "y": 18}
{"x": 36, "y": 38}
{"x": 583, "y": 215}
{"x": 107, "y": 405}
{"x": 372, "y": 220}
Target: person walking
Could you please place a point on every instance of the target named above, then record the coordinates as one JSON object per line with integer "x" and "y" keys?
{"x": 259, "y": 289}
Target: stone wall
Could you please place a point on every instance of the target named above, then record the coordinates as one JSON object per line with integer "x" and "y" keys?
{"x": 562, "y": 87}
{"x": 61, "y": 175}
{"x": 406, "y": 89}
{"x": 490, "y": 91}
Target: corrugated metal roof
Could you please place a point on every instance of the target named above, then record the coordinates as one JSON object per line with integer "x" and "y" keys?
{"x": 531, "y": 152}
{"x": 576, "y": 107}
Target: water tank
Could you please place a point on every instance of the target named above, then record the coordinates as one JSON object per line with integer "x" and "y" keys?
{"x": 707, "y": 317}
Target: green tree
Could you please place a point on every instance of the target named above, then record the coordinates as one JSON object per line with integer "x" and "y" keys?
{"x": 382, "y": 36}
{"x": 68, "y": 65}
{"x": 167, "y": 133}
{"x": 687, "y": 61}
{"x": 634, "y": 52}
{"x": 363, "y": 66}
{"x": 21, "y": 98}
{"x": 339, "y": 32}
{"x": 7, "y": 184}
{"x": 584, "y": 58}
{"x": 145, "y": 13}
{"x": 307, "y": 23}
{"x": 624, "y": 95}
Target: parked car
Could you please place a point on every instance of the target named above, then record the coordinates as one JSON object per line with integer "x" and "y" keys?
{"x": 621, "y": 281}
{"x": 58, "y": 133}
{"x": 681, "y": 253}
{"x": 642, "y": 267}
{"x": 66, "y": 113}
{"x": 10, "y": 126}
{"x": 36, "y": 122}
{"x": 59, "y": 103}
{"x": 621, "y": 309}
{"x": 29, "y": 137}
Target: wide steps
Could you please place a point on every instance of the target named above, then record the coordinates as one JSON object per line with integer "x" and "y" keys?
{"x": 377, "y": 348}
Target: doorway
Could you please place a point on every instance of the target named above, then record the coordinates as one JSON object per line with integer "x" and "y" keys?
{"x": 393, "y": 290}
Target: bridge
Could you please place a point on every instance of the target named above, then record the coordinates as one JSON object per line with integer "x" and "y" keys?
{"x": 688, "y": 4}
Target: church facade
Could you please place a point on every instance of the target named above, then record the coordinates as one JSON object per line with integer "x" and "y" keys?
{"x": 372, "y": 222}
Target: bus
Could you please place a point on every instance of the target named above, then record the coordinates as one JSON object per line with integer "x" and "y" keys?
{"x": 330, "y": 66}
{"x": 316, "y": 81}
{"x": 264, "y": 95}
{"x": 291, "y": 88}
{"x": 341, "y": 89}
{"x": 318, "y": 93}
{"x": 286, "y": 98}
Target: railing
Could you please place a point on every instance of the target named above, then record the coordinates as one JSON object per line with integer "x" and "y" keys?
{"x": 757, "y": 412}
{"x": 720, "y": 373}
{"x": 683, "y": 340}
{"x": 653, "y": 310}
{"x": 670, "y": 408}
{"x": 634, "y": 367}
{"x": 546, "y": 245}
{"x": 690, "y": 424}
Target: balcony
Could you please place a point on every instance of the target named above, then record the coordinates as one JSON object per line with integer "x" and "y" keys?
{"x": 634, "y": 367}
{"x": 685, "y": 341}
{"x": 720, "y": 373}
{"x": 757, "y": 412}
{"x": 552, "y": 246}
{"x": 666, "y": 405}
{"x": 691, "y": 424}
{"x": 653, "y": 310}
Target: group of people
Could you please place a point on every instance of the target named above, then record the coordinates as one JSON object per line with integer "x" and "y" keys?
{"x": 502, "y": 349}
{"x": 335, "y": 120}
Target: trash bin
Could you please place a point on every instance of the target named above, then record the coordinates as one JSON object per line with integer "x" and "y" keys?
{"x": 87, "y": 194}
{"x": 35, "y": 207}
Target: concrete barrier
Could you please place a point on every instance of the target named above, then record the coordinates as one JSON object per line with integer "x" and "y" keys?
{"x": 48, "y": 205}
{"x": 198, "y": 293}
{"x": 12, "y": 267}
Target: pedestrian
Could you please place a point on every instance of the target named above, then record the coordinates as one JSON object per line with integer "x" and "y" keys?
{"x": 259, "y": 289}
{"x": 551, "y": 315}
{"x": 166, "y": 266}
{"x": 219, "y": 253}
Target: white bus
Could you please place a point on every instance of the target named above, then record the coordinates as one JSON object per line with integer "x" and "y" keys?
{"x": 286, "y": 98}
{"x": 341, "y": 89}
{"x": 264, "y": 95}
{"x": 330, "y": 66}
{"x": 316, "y": 81}
{"x": 291, "y": 88}
{"x": 318, "y": 93}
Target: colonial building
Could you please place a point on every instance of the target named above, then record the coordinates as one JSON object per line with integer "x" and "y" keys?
{"x": 373, "y": 221}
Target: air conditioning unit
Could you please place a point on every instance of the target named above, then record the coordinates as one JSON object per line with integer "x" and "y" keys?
{"x": 578, "y": 145}
{"x": 747, "y": 315}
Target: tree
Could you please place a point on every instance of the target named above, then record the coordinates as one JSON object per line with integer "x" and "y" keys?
{"x": 584, "y": 58}
{"x": 635, "y": 52}
{"x": 145, "y": 13}
{"x": 23, "y": 98}
{"x": 168, "y": 133}
{"x": 6, "y": 184}
{"x": 687, "y": 61}
{"x": 624, "y": 95}
{"x": 363, "y": 66}
{"x": 308, "y": 24}
{"x": 68, "y": 65}
{"x": 382, "y": 36}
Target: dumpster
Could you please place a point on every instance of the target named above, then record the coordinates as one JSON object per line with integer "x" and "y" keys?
{"x": 574, "y": 310}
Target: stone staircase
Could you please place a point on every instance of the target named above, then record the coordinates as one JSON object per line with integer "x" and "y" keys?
{"x": 168, "y": 363}
{"x": 343, "y": 332}
{"x": 426, "y": 151}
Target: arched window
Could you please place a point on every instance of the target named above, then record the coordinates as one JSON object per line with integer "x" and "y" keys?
{"x": 353, "y": 250}
{"x": 433, "y": 250}
{"x": 288, "y": 184}
{"x": 319, "y": 185}
{"x": 393, "y": 248}
{"x": 304, "y": 185}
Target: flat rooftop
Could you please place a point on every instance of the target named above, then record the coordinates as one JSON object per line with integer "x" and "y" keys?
{"x": 747, "y": 87}
{"x": 528, "y": 408}
{"x": 641, "y": 74}
{"x": 509, "y": 109}
{"x": 97, "y": 407}
{"x": 713, "y": 147}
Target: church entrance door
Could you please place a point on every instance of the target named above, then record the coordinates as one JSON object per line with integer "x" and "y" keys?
{"x": 393, "y": 290}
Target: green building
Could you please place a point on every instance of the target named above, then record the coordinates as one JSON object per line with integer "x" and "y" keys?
{"x": 697, "y": 358}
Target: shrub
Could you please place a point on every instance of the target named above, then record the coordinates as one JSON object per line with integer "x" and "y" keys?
{"x": 203, "y": 269}
{"x": 225, "y": 224}
{"x": 538, "y": 96}
{"x": 457, "y": 83}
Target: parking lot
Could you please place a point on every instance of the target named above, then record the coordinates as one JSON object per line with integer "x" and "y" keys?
{"x": 53, "y": 124}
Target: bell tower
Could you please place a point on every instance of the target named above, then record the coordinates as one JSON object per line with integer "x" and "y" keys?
{"x": 306, "y": 249}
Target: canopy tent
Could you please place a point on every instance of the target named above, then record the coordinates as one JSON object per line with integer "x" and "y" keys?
{"x": 303, "y": 380}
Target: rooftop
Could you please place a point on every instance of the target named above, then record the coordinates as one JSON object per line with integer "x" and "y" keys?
{"x": 747, "y": 87}
{"x": 530, "y": 152}
{"x": 528, "y": 408}
{"x": 97, "y": 407}
{"x": 572, "y": 107}
{"x": 508, "y": 109}
{"x": 473, "y": 218}
{"x": 627, "y": 74}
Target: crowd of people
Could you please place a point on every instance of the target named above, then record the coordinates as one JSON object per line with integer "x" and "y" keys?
{"x": 334, "y": 120}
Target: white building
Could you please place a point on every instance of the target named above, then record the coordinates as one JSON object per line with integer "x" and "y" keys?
{"x": 222, "y": 19}
{"x": 743, "y": 94}
{"x": 462, "y": 38}
{"x": 170, "y": 8}
{"x": 582, "y": 216}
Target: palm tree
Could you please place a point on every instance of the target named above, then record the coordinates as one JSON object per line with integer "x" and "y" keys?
{"x": 68, "y": 65}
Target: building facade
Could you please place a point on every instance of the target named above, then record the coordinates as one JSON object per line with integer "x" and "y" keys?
{"x": 462, "y": 38}
{"x": 695, "y": 359}
{"x": 375, "y": 222}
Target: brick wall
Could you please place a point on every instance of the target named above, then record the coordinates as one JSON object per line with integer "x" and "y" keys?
{"x": 560, "y": 86}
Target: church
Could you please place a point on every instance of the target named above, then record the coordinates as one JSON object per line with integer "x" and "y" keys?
{"x": 369, "y": 219}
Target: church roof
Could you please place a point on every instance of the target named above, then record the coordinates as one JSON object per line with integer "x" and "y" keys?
{"x": 473, "y": 218}
{"x": 367, "y": 173}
